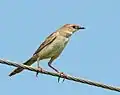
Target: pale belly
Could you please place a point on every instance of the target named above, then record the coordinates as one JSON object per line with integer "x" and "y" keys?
{"x": 54, "y": 49}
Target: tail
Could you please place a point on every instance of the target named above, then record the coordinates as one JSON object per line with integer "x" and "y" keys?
{"x": 28, "y": 62}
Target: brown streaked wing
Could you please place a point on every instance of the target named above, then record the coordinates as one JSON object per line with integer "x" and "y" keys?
{"x": 47, "y": 41}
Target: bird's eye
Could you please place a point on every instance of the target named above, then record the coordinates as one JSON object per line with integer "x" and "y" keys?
{"x": 74, "y": 27}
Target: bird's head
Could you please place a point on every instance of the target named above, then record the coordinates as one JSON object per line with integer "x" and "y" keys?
{"x": 72, "y": 27}
{"x": 69, "y": 29}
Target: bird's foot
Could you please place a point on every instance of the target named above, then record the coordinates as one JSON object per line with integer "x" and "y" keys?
{"x": 62, "y": 75}
{"x": 40, "y": 69}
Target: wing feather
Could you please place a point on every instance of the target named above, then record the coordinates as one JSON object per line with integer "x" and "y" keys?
{"x": 47, "y": 41}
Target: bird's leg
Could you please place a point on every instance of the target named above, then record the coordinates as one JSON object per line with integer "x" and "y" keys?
{"x": 49, "y": 64}
{"x": 61, "y": 73}
{"x": 38, "y": 66}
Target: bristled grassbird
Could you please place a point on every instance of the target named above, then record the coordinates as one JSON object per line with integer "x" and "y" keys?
{"x": 52, "y": 47}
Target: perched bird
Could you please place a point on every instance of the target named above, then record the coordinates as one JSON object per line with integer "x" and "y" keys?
{"x": 52, "y": 47}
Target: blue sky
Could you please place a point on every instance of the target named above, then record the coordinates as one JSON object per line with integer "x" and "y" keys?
{"x": 93, "y": 53}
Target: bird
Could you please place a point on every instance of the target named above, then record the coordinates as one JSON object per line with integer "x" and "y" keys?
{"x": 51, "y": 48}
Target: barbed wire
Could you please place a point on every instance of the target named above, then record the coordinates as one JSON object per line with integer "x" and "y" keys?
{"x": 68, "y": 77}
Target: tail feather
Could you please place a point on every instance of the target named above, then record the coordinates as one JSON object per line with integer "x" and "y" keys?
{"x": 28, "y": 62}
{"x": 17, "y": 70}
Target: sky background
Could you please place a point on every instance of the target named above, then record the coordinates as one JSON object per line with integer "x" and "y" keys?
{"x": 93, "y": 53}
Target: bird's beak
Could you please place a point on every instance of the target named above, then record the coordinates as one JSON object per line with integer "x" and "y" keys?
{"x": 81, "y": 27}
